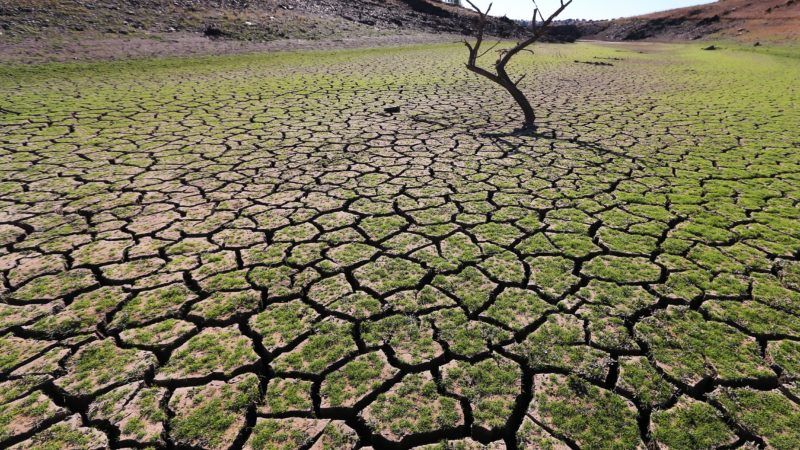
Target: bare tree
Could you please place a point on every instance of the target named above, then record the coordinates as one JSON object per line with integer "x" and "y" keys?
{"x": 500, "y": 75}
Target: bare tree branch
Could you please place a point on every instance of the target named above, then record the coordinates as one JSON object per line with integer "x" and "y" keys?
{"x": 489, "y": 49}
{"x": 500, "y": 76}
{"x": 537, "y": 35}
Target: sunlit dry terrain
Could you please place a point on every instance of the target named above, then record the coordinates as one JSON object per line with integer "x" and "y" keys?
{"x": 247, "y": 251}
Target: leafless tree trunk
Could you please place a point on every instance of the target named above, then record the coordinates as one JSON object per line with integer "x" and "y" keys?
{"x": 500, "y": 75}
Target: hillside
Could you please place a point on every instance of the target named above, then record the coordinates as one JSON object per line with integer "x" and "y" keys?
{"x": 64, "y": 30}
{"x": 744, "y": 20}
{"x": 48, "y": 30}
{"x": 248, "y": 20}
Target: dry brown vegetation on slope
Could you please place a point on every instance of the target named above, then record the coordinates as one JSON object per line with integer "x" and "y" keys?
{"x": 746, "y": 20}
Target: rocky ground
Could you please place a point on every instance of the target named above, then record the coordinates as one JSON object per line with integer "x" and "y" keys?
{"x": 60, "y": 30}
{"x": 246, "y": 20}
{"x": 248, "y": 252}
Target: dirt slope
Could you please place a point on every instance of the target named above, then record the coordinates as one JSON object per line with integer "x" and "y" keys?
{"x": 745, "y": 20}
{"x": 248, "y": 20}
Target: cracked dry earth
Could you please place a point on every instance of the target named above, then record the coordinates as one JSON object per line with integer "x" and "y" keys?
{"x": 246, "y": 252}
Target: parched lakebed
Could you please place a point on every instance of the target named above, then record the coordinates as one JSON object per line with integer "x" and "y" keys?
{"x": 249, "y": 252}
